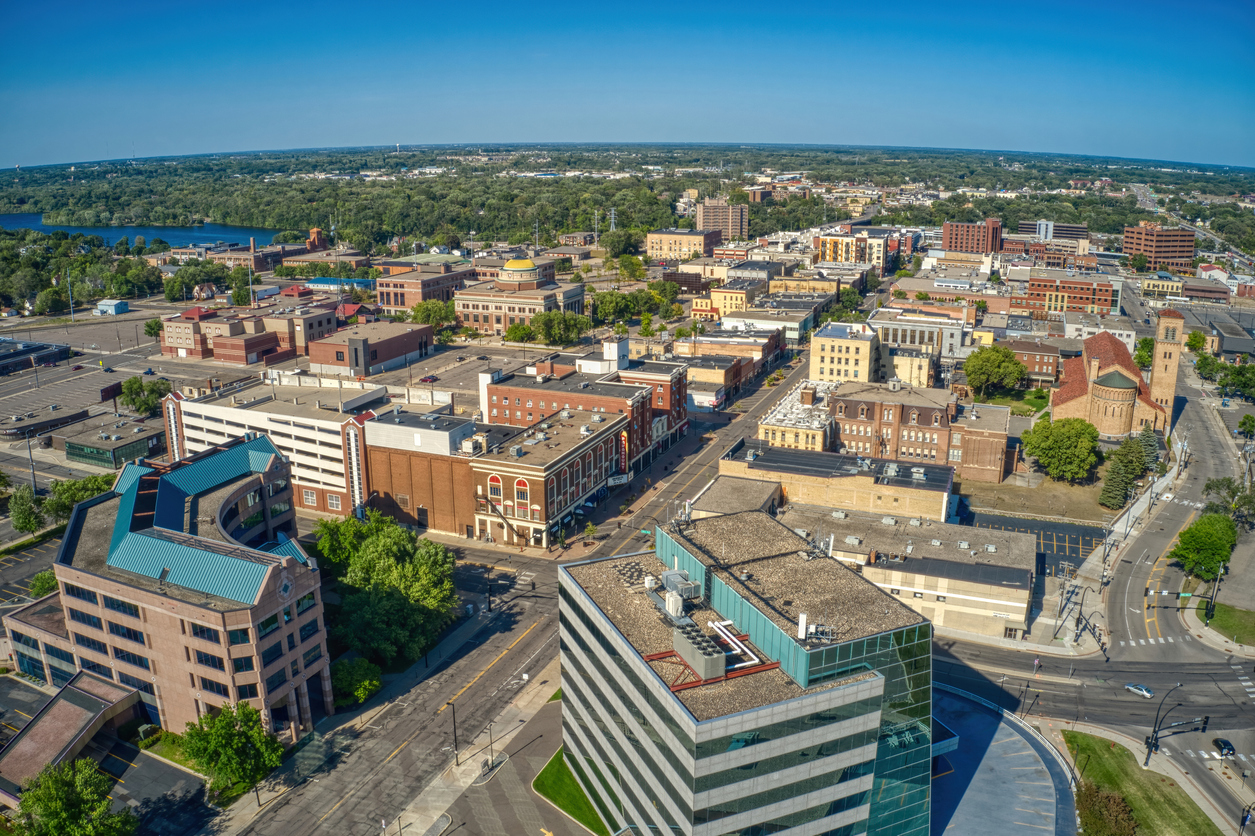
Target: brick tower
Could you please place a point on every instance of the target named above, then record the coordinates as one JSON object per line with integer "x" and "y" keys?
{"x": 1168, "y": 344}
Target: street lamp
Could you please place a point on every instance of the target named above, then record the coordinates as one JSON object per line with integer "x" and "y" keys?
{"x": 1152, "y": 742}
{"x": 456, "y": 760}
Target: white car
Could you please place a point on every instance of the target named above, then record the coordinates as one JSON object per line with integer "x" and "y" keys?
{"x": 1140, "y": 690}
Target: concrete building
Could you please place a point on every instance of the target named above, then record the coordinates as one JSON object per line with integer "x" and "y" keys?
{"x": 936, "y": 333}
{"x": 721, "y": 713}
{"x": 109, "y": 440}
{"x": 681, "y": 243}
{"x": 370, "y": 348}
{"x": 845, "y": 351}
{"x": 846, "y": 481}
{"x": 713, "y": 269}
{"x": 802, "y": 419}
{"x": 520, "y": 289}
{"x": 732, "y": 220}
{"x": 1162, "y": 288}
{"x": 855, "y": 247}
{"x": 573, "y": 254}
{"x": 794, "y": 325}
{"x": 983, "y": 238}
{"x": 763, "y": 347}
{"x": 1164, "y": 248}
{"x": 1082, "y": 326}
{"x": 1205, "y": 290}
{"x": 1050, "y": 230}
{"x": 1064, "y": 291}
{"x": 1105, "y": 387}
{"x": 191, "y": 609}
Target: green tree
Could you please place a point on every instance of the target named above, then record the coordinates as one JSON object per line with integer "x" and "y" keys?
{"x": 5, "y": 481}
{"x": 849, "y": 299}
{"x": 993, "y": 365}
{"x": 1196, "y": 341}
{"x": 620, "y": 329}
{"x": 982, "y": 305}
{"x": 922, "y": 296}
{"x": 433, "y": 312}
{"x": 682, "y": 333}
{"x": 1067, "y": 449}
{"x": 339, "y": 540}
{"x": 1116, "y": 486}
{"x": 231, "y": 746}
{"x": 630, "y": 267}
{"x": 1138, "y": 262}
{"x": 71, "y": 799}
{"x": 899, "y": 294}
{"x": 611, "y": 306}
{"x": 1205, "y": 547}
{"x": 43, "y": 583}
{"x": 381, "y": 623}
{"x": 619, "y": 242}
{"x": 519, "y": 333}
{"x": 64, "y": 495}
{"x": 241, "y": 297}
{"x": 667, "y": 291}
{"x": 24, "y": 510}
{"x": 1150, "y": 444}
{"x": 444, "y": 337}
{"x": 1229, "y": 496}
{"x": 144, "y": 397}
{"x": 647, "y": 325}
{"x": 153, "y": 328}
{"x": 355, "y": 681}
{"x": 1246, "y": 426}
{"x": 50, "y": 301}
{"x": 1144, "y": 355}
{"x": 677, "y": 311}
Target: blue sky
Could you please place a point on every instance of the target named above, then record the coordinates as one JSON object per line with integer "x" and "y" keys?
{"x": 85, "y": 81}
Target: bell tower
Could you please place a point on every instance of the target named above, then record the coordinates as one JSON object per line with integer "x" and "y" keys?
{"x": 1169, "y": 341}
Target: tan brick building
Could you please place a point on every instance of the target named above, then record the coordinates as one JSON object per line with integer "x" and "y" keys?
{"x": 845, "y": 351}
{"x": 681, "y": 243}
{"x": 1165, "y": 248}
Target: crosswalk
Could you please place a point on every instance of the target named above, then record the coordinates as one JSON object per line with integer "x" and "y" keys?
{"x": 1244, "y": 680}
{"x": 1160, "y": 640}
{"x": 1209, "y": 755}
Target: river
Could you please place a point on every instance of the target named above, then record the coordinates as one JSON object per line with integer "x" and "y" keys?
{"x": 177, "y": 236}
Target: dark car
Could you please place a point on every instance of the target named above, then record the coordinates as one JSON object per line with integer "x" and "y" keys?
{"x": 106, "y": 369}
{"x": 460, "y": 358}
{"x": 482, "y": 357}
{"x": 149, "y": 372}
{"x": 1224, "y": 747}
{"x": 430, "y": 378}
{"x": 75, "y": 368}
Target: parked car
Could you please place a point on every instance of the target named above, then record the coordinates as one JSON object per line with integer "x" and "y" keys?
{"x": 430, "y": 378}
{"x": 1224, "y": 747}
{"x": 482, "y": 357}
{"x": 460, "y": 358}
{"x": 1140, "y": 690}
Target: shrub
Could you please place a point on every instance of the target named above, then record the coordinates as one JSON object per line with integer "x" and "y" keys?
{"x": 1104, "y": 813}
{"x": 355, "y": 681}
{"x": 151, "y": 740}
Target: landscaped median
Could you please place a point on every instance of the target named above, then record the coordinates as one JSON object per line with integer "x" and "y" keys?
{"x": 1156, "y": 802}
{"x": 557, "y": 785}
{"x": 1233, "y": 624}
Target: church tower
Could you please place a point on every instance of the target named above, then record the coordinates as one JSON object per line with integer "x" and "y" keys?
{"x": 1169, "y": 341}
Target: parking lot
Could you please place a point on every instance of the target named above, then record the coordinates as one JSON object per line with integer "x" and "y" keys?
{"x": 166, "y": 799}
{"x": 1057, "y": 542}
{"x": 17, "y": 569}
{"x": 19, "y": 702}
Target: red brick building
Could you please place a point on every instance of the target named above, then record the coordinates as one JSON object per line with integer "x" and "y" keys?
{"x": 1063, "y": 293}
{"x": 981, "y": 238}
{"x": 370, "y": 348}
{"x": 1041, "y": 360}
{"x": 1165, "y": 249}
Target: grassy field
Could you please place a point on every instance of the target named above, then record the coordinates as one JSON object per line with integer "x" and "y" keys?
{"x": 556, "y": 784}
{"x": 1021, "y": 401}
{"x": 1161, "y": 807}
{"x": 1230, "y": 622}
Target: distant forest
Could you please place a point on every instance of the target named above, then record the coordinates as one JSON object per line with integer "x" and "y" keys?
{"x": 478, "y": 193}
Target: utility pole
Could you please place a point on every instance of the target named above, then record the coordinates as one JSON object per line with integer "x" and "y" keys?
{"x": 456, "y": 760}
{"x": 612, "y": 229}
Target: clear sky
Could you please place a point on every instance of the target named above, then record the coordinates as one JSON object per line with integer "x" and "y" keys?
{"x": 92, "y": 80}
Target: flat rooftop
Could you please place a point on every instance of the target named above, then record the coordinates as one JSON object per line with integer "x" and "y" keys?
{"x": 839, "y": 331}
{"x": 924, "y": 477}
{"x": 574, "y": 384}
{"x": 372, "y": 331}
{"x": 555, "y": 437}
{"x": 882, "y": 393}
{"x": 731, "y": 494}
{"x": 982, "y": 417}
{"x": 117, "y": 432}
{"x": 616, "y": 588}
{"x": 289, "y": 401}
{"x": 789, "y": 411}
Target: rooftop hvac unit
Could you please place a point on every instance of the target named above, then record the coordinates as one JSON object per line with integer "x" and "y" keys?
{"x": 915, "y": 522}
{"x": 651, "y": 583}
{"x": 596, "y": 419}
{"x": 566, "y": 413}
{"x": 516, "y": 450}
{"x": 585, "y": 429}
{"x": 917, "y": 470}
{"x": 888, "y": 521}
{"x": 675, "y": 604}
{"x": 542, "y": 437}
{"x": 991, "y": 548}
{"x": 936, "y": 542}
{"x": 839, "y": 514}
{"x": 688, "y": 590}
{"x": 963, "y": 544}
{"x": 583, "y": 384}
{"x": 545, "y": 425}
{"x": 918, "y": 477}
{"x": 851, "y": 540}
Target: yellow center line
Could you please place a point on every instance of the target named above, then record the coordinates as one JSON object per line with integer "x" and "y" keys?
{"x": 1154, "y": 582}
{"x": 480, "y": 674}
{"x": 333, "y": 809}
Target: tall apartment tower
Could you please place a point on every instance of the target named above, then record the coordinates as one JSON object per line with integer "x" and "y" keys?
{"x": 984, "y": 237}
{"x": 1168, "y": 345}
{"x": 732, "y": 219}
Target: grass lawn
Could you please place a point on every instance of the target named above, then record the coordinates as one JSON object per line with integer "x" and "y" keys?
{"x": 1161, "y": 807}
{"x": 1230, "y": 622}
{"x": 556, "y": 784}
{"x": 557, "y": 695}
{"x": 170, "y": 747}
{"x": 1021, "y": 401}
{"x": 1073, "y": 502}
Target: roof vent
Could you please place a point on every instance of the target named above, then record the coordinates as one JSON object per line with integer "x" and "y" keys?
{"x": 914, "y": 522}
{"x": 935, "y": 542}
{"x": 991, "y": 548}
{"x": 839, "y": 514}
{"x": 888, "y": 521}
{"x": 963, "y": 544}
{"x": 851, "y": 540}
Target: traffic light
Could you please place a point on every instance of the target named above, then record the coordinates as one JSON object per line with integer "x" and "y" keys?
{"x": 1206, "y": 720}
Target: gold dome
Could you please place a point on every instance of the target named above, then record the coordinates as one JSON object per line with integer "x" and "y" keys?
{"x": 520, "y": 264}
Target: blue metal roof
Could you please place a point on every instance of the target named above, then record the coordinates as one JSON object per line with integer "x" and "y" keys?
{"x": 149, "y": 553}
{"x": 290, "y": 548}
{"x": 127, "y": 486}
{"x": 212, "y": 471}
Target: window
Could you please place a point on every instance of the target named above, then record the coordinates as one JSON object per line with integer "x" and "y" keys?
{"x": 895, "y": 592}
{"x": 247, "y": 692}
{"x": 206, "y": 634}
{"x": 919, "y": 595}
{"x": 130, "y": 658}
{"x": 80, "y": 593}
{"x": 296, "y": 668}
{"x": 308, "y": 629}
{"x": 333, "y": 502}
{"x": 268, "y": 626}
{"x": 242, "y": 665}
{"x": 58, "y": 653}
{"x": 138, "y": 684}
{"x": 210, "y": 661}
{"x": 309, "y": 497}
{"x": 271, "y": 653}
{"x": 291, "y": 641}
{"x": 214, "y": 687}
{"x": 85, "y": 618}
{"x": 312, "y": 655}
{"x": 96, "y": 668}
{"x": 238, "y": 636}
{"x": 121, "y": 606}
{"x": 91, "y": 644}
{"x": 127, "y": 633}
{"x": 305, "y": 602}
{"x": 941, "y": 598}
{"x": 276, "y": 680}
{"x": 340, "y": 356}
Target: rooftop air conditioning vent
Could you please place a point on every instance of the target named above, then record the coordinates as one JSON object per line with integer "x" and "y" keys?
{"x": 936, "y": 542}
{"x": 963, "y": 544}
{"x": 851, "y": 540}
{"x": 915, "y": 522}
{"x": 888, "y": 521}
{"x": 839, "y": 514}
{"x": 991, "y": 548}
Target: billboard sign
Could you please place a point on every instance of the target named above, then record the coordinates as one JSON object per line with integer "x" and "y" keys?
{"x": 113, "y": 390}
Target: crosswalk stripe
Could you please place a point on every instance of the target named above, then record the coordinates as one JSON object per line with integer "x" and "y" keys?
{"x": 1170, "y": 640}
{"x": 1243, "y": 757}
{"x": 1141, "y": 641}
{"x": 1122, "y": 643}
{"x": 1188, "y": 639}
{"x": 1161, "y": 639}
{"x": 1165, "y": 751}
{"x": 1202, "y": 755}
{"x": 1190, "y": 752}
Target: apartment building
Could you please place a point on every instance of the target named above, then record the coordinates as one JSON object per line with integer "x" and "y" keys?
{"x": 714, "y": 379}
{"x": 802, "y": 419}
{"x": 1041, "y": 359}
{"x": 1082, "y": 326}
{"x": 1063, "y": 291}
{"x": 673, "y": 667}
{"x": 1165, "y": 248}
{"x": 983, "y": 238}
{"x": 319, "y": 431}
{"x": 370, "y": 348}
{"x": 1052, "y": 230}
{"x": 731, "y": 220}
{"x": 192, "y": 610}
{"x": 733, "y": 295}
{"x": 913, "y": 366}
{"x": 857, "y": 247}
{"x": 935, "y": 333}
{"x": 845, "y": 351}
{"x": 681, "y": 243}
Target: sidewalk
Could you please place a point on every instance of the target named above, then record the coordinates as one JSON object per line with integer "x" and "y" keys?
{"x": 1160, "y": 764}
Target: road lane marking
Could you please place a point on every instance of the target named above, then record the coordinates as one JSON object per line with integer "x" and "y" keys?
{"x": 1170, "y": 640}
{"x": 1143, "y": 641}
{"x": 1122, "y": 644}
{"x": 484, "y": 671}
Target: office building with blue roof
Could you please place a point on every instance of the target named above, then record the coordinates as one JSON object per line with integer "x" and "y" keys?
{"x": 185, "y": 584}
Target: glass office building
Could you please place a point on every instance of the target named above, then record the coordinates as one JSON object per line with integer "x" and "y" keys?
{"x": 740, "y": 682}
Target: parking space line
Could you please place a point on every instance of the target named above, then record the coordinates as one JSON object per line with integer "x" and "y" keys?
{"x": 23, "y": 713}
{"x": 7, "y": 726}
{"x": 124, "y": 760}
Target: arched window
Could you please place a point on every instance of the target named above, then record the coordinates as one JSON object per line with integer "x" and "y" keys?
{"x": 577, "y": 479}
{"x": 520, "y": 491}
{"x": 553, "y": 494}
{"x": 494, "y": 487}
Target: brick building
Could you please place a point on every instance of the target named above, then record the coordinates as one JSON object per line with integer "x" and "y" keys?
{"x": 192, "y": 611}
{"x": 732, "y": 220}
{"x": 681, "y": 243}
{"x": 399, "y": 291}
{"x": 985, "y": 237}
{"x": 1055, "y": 291}
{"x": 845, "y": 351}
{"x": 1164, "y": 248}
{"x": 1041, "y": 359}
{"x": 370, "y": 348}
{"x": 857, "y": 247}
{"x": 513, "y": 292}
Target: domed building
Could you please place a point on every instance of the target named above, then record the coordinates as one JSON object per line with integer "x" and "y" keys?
{"x": 1106, "y": 388}
{"x": 512, "y": 292}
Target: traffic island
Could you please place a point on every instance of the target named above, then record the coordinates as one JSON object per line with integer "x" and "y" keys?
{"x": 557, "y": 785}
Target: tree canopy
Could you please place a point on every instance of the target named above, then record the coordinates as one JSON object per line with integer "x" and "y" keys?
{"x": 993, "y": 365}
{"x": 1067, "y": 450}
{"x": 24, "y": 512}
{"x": 1206, "y": 545}
{"x": 144, "y": 397}
{"x": 64, "y": 495}
{"x": 71, "y": 799}
{"x": 231, "y": 746}
{"x": 1144, "y": 353}
{"x": 433, "y": 312}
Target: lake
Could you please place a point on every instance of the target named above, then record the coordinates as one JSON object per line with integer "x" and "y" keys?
{"x": 176, "y": 236}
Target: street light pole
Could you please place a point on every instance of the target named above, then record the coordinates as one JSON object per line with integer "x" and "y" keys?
{"x": 1153, "y": 740}
{"x": 456, "y": 759}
